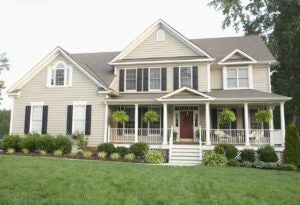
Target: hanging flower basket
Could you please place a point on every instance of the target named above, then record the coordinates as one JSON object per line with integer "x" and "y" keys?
{"x": 120, "y": 116}
{"x": 263, "y": 115}
{"x": 151, "y": 116}
{"x": 226, "y": 116}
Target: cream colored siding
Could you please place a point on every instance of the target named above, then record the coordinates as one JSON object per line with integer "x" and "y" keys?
{"x": 170, "y": 115}
{"x": 151, "y": 48}
{"x": 260, "y": 77}
{"x": 216, "y": 77}
{"x": 202, "y": 116}
{"x": 83, "y": 89}
{"x": 202, "y": 78}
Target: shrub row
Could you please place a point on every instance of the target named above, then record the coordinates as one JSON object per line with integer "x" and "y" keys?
{"x": 36, "y": 142}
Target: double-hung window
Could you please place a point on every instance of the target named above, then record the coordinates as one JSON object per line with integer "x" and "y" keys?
{"x": 36, "y": 118}
{"x": 130, "y": 79}
{"x": 185, "y": 76}
{"x": 60, "y": 75}
{"x": 237, "y": 77}
{"x": 79, "y": 114}
{"x": 154, "y": 78}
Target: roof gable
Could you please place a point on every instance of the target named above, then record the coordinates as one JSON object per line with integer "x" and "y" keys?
{"x": 185, "y": 93}
{"x": 237, "y": 57}
{"x": 150, "y": 34}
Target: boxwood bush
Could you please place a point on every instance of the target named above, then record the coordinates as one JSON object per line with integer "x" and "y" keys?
{"x": 233, "y": 163}
{"x": 229, "y": 150}
{"x": 154, "y": 157}
{"x": 139, "y": 149}
{"x": 46, "y": 143}
{"x": 248, "y": 155}
{"x": 122, "y": 151}
{"x": 30, "y": 142}
{"x": 12, "y": 142}
{"x": 214, "y": 159}
{"x": 288, "y": 167}
{"x": 109, "y": 148}
{"x": 267, "y": 154}
{"x": 63, "y": 143}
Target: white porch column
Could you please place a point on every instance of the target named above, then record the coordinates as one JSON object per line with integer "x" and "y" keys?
{"x": 282, "y": 121}
{"x": 136, "y": 122}
{"x": 207, "y": 123}
{"x": 271, "y": 123}
{"x": 165, "y": 123}
{"x": 105, "y": 122}
{"x": 246, "y": 117}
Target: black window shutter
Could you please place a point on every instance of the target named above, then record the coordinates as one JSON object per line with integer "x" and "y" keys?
{"x": 162, "y": 117}
{"x": 45, "y": 119}
{"x": 195, "y": 77}
{"x": 27, "y": 119}
{"x": 145, "y": 79}
{"x": 214, "y": 118}
{"x": 139, "y": 79}
{"x": 176, "y": 78}
{"x": 233, "y": 124}
{"x": 88, "y": 119}
{"x": 121, "y": 80}
{"x": 163, "y": 79}
{"x": 140, "y": 117}
{"x": 69, "y": 119}
{"x": 243, "y": 119}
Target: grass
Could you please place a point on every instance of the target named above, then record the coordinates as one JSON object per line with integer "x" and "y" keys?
{"x": 32, "y": 180}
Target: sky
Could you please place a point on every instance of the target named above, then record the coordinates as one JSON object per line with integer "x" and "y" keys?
{"x": 30, "y": 29}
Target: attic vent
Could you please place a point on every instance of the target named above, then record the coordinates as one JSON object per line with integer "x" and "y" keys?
{"x": 160, "y": 35}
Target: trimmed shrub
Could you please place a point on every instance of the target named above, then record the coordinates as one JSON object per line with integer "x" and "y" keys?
{"x": 115, "y": 156}
{"x": 102, "y": 155}
{"x": 30, "y": 142}
{"x": 229, "y": 150}
{"x": 82, "y": 142}
{"x": 46, "y": 143}
{"x": 87, "y": 154}
{"x": 139, "y": 149}
{"x": 272, "y": 165}
{"x": 25, "y": 151}
{"x": 58, "y": 153}
{"x": 288, "y": 167}
{"x": 259, "y": 164}
{"x": 63, "y": 143}
{"x": 109, "y": 148}
{"x": 43, "y": 152}
{"x": 12, "y": 141}
{"x": 214, "y": 159}
{"x": 267, "y": 154}
{"x": 246, "y": 164}
{"x": 233, "y": 163}
{"x": 130, "y": 157}
{"x": 154, "y": 157}
{"x": 248, "y": 155}
{"x": 10, "y": 151}
{"x": 292, "y": 146}
{"x": 122, "y": 151}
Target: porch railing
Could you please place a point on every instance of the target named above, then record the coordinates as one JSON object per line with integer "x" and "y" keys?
{"x": 229, "y": 136}
{"x": 151, "y": 136}
{"x": 122, "y": 135}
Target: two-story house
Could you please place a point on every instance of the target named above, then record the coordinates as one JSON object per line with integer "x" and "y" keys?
{"x": 187, "y": 81}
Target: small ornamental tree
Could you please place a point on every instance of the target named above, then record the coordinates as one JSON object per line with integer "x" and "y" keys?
{"x": 263, "y": 115}
{"x": 120, "y": 116}
{"x": 292, "y": 146}
{"x": 151, "y": 116}
{"x": 226, "y": 116}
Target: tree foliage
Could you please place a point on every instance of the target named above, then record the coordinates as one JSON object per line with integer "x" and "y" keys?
{"x": 4, "y": 65}
{"x": 4, "y": 122}
{"x": 292, "y": 146}
{"x": 278, "y": 24}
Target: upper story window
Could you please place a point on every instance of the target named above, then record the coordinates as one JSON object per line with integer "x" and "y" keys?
{"x": 60, "y": 75}
{"x": 36, "y": 118}
{"x": 185, "y": 76}
{"x": 160, "y": 35}
{"x": 237, "y": 78}
{"x": 154, "y": 78}
{"x": 130, "y": 79}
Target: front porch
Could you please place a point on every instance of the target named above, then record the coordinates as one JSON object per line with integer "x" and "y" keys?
{"x": 189, "y": 123}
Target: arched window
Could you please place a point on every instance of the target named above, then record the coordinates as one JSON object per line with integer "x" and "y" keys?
{"x": 60, "y": 75}
{"x": 160, "y": 35}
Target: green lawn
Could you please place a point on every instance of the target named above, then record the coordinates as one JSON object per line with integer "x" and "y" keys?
{"x": 29, "y": 180}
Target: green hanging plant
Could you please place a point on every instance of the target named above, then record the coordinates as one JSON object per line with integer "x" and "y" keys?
{"x": 263, "y": 115}
{"x": 120, "y": 116}
{"x": 151, "y": 116}
{"x": 226, "y": 116}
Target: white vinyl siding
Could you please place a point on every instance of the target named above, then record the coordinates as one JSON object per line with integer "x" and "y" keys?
{"x": 130, "y": 79}
{"x": 79, "y": 113}
{"x": 154, "y": 79}
{"x": 36, "y": 118}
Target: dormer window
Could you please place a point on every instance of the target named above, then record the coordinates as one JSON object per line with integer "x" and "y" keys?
{"x": 60, "y": 75}
{"x": 160, "y": 35}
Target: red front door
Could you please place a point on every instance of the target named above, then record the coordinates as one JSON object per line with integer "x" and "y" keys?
{"x": 186, "y": 124}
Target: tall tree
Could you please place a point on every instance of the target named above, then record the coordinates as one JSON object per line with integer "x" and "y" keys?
{"x": 278, "y": 24}
{"x": 4, "y": 65}
{"x": 4, "y": 122}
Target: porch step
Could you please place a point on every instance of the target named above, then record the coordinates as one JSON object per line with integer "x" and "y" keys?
{"x": 185, "y": 154}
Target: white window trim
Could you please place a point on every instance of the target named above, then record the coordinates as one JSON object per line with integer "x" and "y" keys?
{"x": 33, "y": 104}
{"x": 149, "y": 88}
{"x": 125, "y": 71}
{"x": 191, "y": 68}
{"x": 75, "y": 103}
{"x": 250, "y": 77}
{"x": 160, "y": 33}
{"x": 67, "y": 67}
